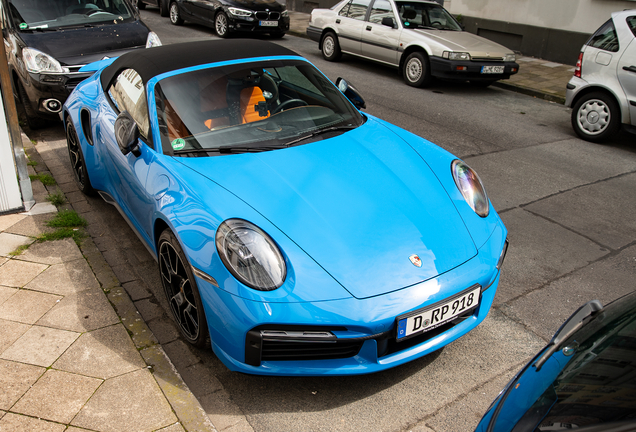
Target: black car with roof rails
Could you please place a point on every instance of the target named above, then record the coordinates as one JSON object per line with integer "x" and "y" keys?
{"x": 48, "y": 41}
{"x": 230, "y": 16}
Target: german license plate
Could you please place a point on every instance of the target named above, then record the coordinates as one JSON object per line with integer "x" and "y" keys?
{"x": 268, "y": 23}
{"x": 434, "y": 316}
{"x": 492, "y": 69}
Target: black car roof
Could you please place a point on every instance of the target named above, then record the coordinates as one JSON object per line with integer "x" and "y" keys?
{"x": 150, "y": 62}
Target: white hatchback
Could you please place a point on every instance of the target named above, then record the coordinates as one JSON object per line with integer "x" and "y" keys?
{"x": 602, "y": 92}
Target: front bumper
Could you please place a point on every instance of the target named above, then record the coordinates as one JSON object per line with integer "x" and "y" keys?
{"x": 470, "y": 70}
{"x": 362, "y": 332}
{"x": 43, "y": 89}
{"x": 252, "y": 24}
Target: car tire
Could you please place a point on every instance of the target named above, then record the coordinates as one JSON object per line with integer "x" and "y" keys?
{"x": 596, "y": 117}
{"x": 331, "y": 47}
{"x": 140, "y": 4}
{"x": 417, "y": 70}
{"x": 32, "y": 119}
{"x": 78, "y": 164}
{"x": 181, "y": 290}
{"x": 221, "y": 25}
{"x": 175, "y": 15}
{"x": 163, "y": 8}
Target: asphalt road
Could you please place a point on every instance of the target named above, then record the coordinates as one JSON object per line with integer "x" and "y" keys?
{"x": 569, "y": 208}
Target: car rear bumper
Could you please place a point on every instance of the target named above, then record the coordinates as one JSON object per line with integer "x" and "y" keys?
{"x": 314, "y": 33}
{"x": 470, "y": 70}
{"x": 283, "y": 338}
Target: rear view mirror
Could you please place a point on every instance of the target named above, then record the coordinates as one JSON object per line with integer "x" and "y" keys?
{"x": 127, "y": 134}
{"x": 351, "y": 93}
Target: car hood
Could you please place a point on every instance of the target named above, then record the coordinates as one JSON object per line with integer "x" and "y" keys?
{"x": 84, "y": 45}
{"x": 257, "y": 5}
{"x": 464, "y": 41}
{"x": 359, "y": 204}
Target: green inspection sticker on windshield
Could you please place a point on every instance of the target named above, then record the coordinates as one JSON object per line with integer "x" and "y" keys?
{"x": 178, "y": 144}
{"x": 24, "y": 26}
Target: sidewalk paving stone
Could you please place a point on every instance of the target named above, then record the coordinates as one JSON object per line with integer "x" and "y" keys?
{"x": 40, "y": 346}
{"x": 17, "y": 274}
{"x": 64, "y": 279}
{"x": 131, "y": 402}
{"x": 19, "y": 423}
{"x": 81, "y": 312}
{"x": 10, "y": 242}
{"x": 71, "y": 393}
{"x": 15, "y": 380}
{"x": 51, "y": 252}
{"x": 10, "y": 331}
{"x": 110, "y": 350}
{"x": 27, "y": 306}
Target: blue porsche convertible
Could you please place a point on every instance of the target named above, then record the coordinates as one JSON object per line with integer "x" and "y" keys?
{"x": 293, "y": 233}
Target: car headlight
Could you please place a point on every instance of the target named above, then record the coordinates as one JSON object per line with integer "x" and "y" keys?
{"x": 152, "y": 40}
{"x": 39, "y": 62}
{"x": 510, "y": 58}
{"x": 285, "y": 13}
{"x": 455, "y": 55}
{"x": 240, "y": 12}
{"x": 250, "y": 255}
{"x": 470, "y": 186}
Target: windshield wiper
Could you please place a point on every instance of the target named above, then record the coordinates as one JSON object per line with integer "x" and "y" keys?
{"x": 318, "y": 132}
{"x": 231, "y": 149}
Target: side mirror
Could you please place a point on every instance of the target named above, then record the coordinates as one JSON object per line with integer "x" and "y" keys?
{"x": 127, "y": 134}
{"x": 351, "y": 93}
{"x": 388, "y": 21}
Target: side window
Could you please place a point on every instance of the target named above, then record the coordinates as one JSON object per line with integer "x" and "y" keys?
{"x": 381, "y": 9}
{"x": 345, "y": 10}
{"x": 128, "y": 94}
{"x": 356, "y": 9}
{"x": 605, "y": 38}
{"x": 631, "y": 23}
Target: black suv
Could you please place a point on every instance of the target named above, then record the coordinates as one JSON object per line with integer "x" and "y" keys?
{"x": 48, "y": 41}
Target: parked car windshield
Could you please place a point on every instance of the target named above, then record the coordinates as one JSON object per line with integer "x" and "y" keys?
{"x": 42, "y": 15}
{"x": 249, "y": 107}
{"x": 425, "y": 15}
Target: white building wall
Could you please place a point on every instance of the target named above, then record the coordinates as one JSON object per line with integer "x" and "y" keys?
{"x": 583, "y": 16}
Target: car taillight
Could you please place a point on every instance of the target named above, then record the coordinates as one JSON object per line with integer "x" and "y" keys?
{"x": 577, "y": 70}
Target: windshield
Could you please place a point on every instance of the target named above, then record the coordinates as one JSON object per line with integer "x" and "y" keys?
{"x": 425, "y": 15}
{"x": 43, "y": 15}
{"x": 595, "y": 384}
{"x": 249, "y": 107}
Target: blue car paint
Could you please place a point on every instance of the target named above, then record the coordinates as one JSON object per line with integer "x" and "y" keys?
{"x": 165, "y": 190}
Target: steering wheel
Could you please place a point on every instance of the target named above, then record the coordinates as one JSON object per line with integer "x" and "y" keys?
{"x": 436, "y": 24}
{"x": 268, "y": 84}
{"x": 291, "y": 103}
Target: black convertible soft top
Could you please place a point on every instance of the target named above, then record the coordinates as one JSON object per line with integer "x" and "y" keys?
{"x": 150, "y": 62}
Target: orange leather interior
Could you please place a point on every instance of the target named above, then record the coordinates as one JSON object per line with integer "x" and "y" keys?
{"x": 213, "y": 97}
{"x": 250, "y": 97}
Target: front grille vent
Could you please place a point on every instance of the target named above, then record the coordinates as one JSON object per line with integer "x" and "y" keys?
{"x": 262, "y": 15}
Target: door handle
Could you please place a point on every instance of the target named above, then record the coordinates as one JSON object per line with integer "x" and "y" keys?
{"x": 338, "y": 21}
{"x": 630, "y": 68}
{"x": 368, "y": 28}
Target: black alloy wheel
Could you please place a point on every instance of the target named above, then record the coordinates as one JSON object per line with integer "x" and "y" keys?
{"x": 77, "y": 160}
{"x": 181, "y": 290}
{"x": 221, "y": 24}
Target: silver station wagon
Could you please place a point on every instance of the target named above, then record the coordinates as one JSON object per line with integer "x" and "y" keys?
{"x": 420, "y": 38}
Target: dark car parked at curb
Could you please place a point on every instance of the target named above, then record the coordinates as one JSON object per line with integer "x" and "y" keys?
{"x": 229, "y": 16}
{"x": 48, "y": 42}
{"x": 163, "y": 5}
{"x": 584, "y": 379}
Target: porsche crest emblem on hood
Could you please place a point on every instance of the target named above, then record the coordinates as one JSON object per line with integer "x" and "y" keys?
{"x": 417, "y": 262}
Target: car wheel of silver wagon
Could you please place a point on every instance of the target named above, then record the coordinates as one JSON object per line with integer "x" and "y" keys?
{"x": 221, "y": 25}
{"x": 175, "y": 16}
{"x": 181, "y": 290}
{"x": 78, "y": 164}
{"x": 331, "y": 47}
{"x": 416, "y": 70}
{"x": 596, "y": 117}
